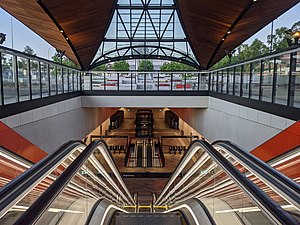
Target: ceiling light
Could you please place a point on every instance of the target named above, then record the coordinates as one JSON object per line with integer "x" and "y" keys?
{"x": 61, "y": 31}
{"x": 228, "y": 32}
{"x": 67, "y": 38}
{"x": 223, "y": 39}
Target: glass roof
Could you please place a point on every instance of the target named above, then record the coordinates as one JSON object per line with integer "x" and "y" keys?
{"x": 145, "y": 29}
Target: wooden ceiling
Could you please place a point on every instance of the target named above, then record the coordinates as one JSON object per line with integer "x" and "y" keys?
{"x": 206, "y": 23}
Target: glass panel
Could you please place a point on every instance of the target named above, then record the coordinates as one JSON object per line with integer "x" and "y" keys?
{"x": 204, "y": 81}
{"x": 19, "y": 166}
{"x": 150, "y": 84}
{"x": 214, "y": 81}
{"x": 224, "y": 81}
{"x": 45, "y": 79}
{"x": 35, "y": 79}
{"x": 138, "y": 81}
{"x": 70, "y": 80}
{"x": 267, "y": 80}
{"x": 220, "y": 81}
{"x": 246, "y": 80}
{"x": 282, "y": 78}
{"x": 87, "y": 81}
{"x": 178, "y": 81}
{"x": 66, "y": 79}
{"x": 295, "y": 80}
{"x": 124, "y": 81}
{"x": 23, "y": 76}
{"x": 98, "y": 81}
{"x": 9, "y": 79}
{"x": 230, "y": 80}
{"x": 52, "y": 79}
{"x": 165, "y": 82}
{"x": 75, "y": 75}
{"x": 237, "y": 80}
{"x": 191, "y": 82}
{"x": 255, "y": 82}
{"x": 59, "y": 80}
{"x": 111, "y": 81}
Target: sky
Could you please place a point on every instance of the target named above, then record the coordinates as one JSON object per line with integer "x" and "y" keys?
{"x": 18, "y": 35}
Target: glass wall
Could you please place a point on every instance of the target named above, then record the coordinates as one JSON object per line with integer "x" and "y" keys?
{"x": 10, "y": 94}
{"x": 246, "y": 80}
{"x": 23, "y": 79}
{"x": 255, "y": 82}
{"x": 237, "y": 80}
{"x": 35, "y": 79}
{"x": 59, "y": 80}
{"x": 282, "y": 79}
{"x": 53, "y": 89}
{"x": 230, "y": 80}
{"x": 45, "y": 79}
{"x": 295, "y": 80}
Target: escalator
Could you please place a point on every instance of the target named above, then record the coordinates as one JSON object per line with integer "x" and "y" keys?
{"x": 211, "y": 185}
{"x": 139, "y": 155}
{"x": 149, "y": 155}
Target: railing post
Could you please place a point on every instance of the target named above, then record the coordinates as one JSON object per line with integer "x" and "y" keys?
{"x": 171, "y": 81}
{"x": 292, "y": 81}
{"x": 118, "y": 81}
{"x": 91, "y": 81}
{"x": 260, "y": 80}
{"x": 274, "y": 81}
{"x": 250, "y": 80}
{"x": 41, "y": 83}
{"x": 241, "y": 81}
{"x": 16, "y": 74}
{"x": 29, "y": 78}
{"x": 49, "y": 83}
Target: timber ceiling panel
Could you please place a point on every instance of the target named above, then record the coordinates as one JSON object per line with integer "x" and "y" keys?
{"x": 84, "y": 22}
{"x": 32, "y": 15}
{"x": 206, "y": 23}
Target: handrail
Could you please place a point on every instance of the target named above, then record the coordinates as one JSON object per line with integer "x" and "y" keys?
{"x": 271, "y": 209}
{"x": 39, "y": 207}
{"x": 15, "y": 190}
{"x": 280, "y": 183}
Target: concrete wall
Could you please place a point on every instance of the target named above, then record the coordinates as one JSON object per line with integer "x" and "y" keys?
{"x": 224, "y": 120}
{"x": 50, "y": 126}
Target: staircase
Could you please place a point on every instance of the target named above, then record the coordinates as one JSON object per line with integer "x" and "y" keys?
{"x": 148, "y": 219}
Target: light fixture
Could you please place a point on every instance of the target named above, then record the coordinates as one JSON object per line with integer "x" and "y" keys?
{"x": 228, "y": 32}
{"x": 2, "y": 38}
{"x": 295, "y": 34}
{"x": 223, "y": 39}
{"x": 67, "y": 38}
{"x": 61, "y": 31}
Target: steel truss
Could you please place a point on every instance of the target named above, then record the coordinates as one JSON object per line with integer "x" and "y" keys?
{"x": 145, "y": 29}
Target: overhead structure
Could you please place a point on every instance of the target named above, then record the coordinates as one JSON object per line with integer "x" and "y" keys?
{"x": 145, "y": 30}
{"x": 210, "y": 29}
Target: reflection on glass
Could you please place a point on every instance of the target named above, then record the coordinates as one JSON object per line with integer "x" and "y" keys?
{"x": 65, "y": 73}
{"x": 70, "y": 80}
{"x": 45, "y": 79}
{"x": 255, "y": 82}
{"x": 230, "y": 80}
{"x": 9, "y": 79}
{"x": 267, "y": 80}
{"x": 246, "y": 81}
{"x": 191, "y": 82}
{"x": 23, "y": 79}
{"x": 59, "y": 80}
{"x": 282, "y": 78}
{"x": 151, "y": 81}
{"x": 237, "y": 80}
{"x": 203, "y": 82}
{"x": 98, "y": 81}
{"x": 111, "y": 81}
{"x": 35, "y": 79}
{"x": 178, "y": 81}
{"x": 52, "y": 79}
{"x": 124, "y": 81}
{"x": 164, "y": 81}
{"x": 295, "y": 80}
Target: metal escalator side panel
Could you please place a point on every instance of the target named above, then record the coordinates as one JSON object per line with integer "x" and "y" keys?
{"x": 18, "y": 188}
{"x": 194, "y": 212}
{"x": 284, "y": 186}
{"x": 103, "y": 212}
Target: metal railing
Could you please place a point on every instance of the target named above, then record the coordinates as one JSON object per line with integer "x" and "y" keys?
{"x": 26, "y": 77}
{"x": 146, "y": 81}
{"x": 274, "y": 78}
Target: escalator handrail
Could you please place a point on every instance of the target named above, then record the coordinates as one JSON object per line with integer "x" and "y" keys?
{"x": 15, "y": 190}
{"x": 274, "y": 211}
{"x": 281, "y": 183}
{"x": 40, "y": 206}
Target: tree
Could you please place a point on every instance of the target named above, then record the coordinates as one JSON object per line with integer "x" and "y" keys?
{"x": 280, "y": 39}
{"x": 121, "y": 66}
{"x": 28, "y": 50}
{"x": 145, "y": 65}
{"x": 101, "y": 67}
{"x": 65, "y": 61}
{"x": 175, "y": 66}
